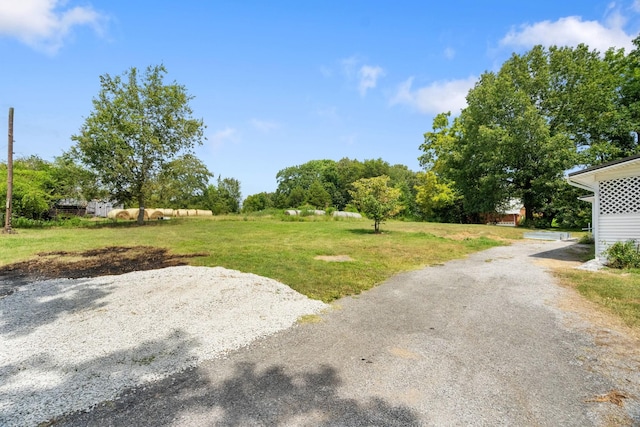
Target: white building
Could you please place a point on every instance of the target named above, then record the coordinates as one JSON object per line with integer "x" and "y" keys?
{"x": 615, "y": 201}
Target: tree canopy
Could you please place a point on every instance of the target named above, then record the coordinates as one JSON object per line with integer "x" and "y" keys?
{"x": 544, "y": 112}
{"x": 376, "y": 199}
{"x": 138, "y": 125}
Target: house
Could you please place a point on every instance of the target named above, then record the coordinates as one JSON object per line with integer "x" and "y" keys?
{"x": 510, "y": 215}
{"x": 615, "y": 201}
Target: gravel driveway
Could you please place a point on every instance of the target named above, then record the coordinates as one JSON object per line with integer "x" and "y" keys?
{"x": 487, "y": 340}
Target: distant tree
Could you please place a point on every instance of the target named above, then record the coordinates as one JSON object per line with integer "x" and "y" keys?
{"x": 136, "y": 127}
{"x": 297, "y": 197}
{"x": 181, "y": 183}
{"x": 376, "y": 199}
{"x": 229, "y": 188}
{"x": 74, "y": 181}
{"x": 301, "y": 176}
{"x": 317, "y": 196}
{"x": 257, "y": 202}
{"x": 225, "y": 198}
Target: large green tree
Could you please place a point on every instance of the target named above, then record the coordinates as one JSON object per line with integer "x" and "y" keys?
{"x": 542, "y": 113}
{"x": 138, "y": 125}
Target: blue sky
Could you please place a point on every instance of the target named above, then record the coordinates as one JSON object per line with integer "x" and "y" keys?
{"x": 279, "y": 83}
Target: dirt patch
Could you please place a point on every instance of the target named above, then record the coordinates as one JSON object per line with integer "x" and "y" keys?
{"x": 91, "y": 263}
{"x": 334, "y": 258}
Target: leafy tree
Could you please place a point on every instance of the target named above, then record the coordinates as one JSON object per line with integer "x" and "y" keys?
{"x": 225, "y": 198}
{"x": 301, "y": 176}
{"x": 297, "y": 197}
{"x": 181, "y": 183}
{"x": 375, "y": 167}
{"x": 376, "y": 199}
{"x": 74, "y": 181}
{"x": 432, "y": 194}
{"x": 257, "y": 202}
{"x": 317, "y": 196}
{"x": 35, "y": 187}
{"x": 229, "y": 188}
{"x": 136, "y": 127}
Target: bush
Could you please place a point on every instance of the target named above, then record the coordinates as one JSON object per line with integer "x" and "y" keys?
{"x": 587, "y": 239}
{"x": 623, "y": 255}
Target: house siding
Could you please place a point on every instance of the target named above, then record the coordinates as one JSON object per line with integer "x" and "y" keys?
{"x": 618, "y": 212}
{"x": 617, "y": 228}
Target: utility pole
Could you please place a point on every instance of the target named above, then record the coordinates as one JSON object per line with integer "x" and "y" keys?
{"x": 7, "y": 219}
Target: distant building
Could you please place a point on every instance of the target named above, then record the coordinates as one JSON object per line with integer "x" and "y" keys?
{"x": 101, "y": 208}
{"x": 75, "y": 207}
{"x": 509, "y": 216}
{"x": 615, "y": 200}
{"x": 69, "y": 207}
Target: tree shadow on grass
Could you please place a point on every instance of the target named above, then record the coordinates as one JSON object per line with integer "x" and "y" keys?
{"x": 364, "y": 231}
{"x": 247, "y": 396}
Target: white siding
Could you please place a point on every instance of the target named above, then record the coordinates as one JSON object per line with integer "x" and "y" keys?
{"x": 617, "y": 228}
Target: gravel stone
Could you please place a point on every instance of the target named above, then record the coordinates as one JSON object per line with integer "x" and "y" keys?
{"x": 67, "y": 345}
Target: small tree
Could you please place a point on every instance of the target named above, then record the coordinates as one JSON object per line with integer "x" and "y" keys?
{"x": 134, "y": 129}
{"x": 376, "y": 199}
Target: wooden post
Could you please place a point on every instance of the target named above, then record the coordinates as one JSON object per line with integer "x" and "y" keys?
{"x": 7, "y": 219}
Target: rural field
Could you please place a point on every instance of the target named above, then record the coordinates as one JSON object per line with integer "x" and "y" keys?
{"x": 282, "y": 250}
{"x": 320, "y": 258}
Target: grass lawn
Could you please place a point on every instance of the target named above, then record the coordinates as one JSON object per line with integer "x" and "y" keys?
{"x": 282, "y": 250}
{"x": 617, "y": 291}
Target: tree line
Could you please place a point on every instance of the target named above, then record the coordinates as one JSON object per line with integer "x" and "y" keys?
{"x": 40, "y": 185}
{"x": 544, "y": 112}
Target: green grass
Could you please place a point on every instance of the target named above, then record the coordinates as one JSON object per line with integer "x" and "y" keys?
{"x": 282, "y": 250}
{"x": 617, "y": 291}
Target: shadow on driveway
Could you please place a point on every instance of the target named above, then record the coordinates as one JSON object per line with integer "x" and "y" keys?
{"x": 249, "y": 396}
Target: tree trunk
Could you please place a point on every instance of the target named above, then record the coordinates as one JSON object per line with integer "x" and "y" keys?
{"x": 376, "y": 226}
{"x": 141, "y": 210}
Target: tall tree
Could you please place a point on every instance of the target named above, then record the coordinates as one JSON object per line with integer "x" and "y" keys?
{"x": 137, "y": 125}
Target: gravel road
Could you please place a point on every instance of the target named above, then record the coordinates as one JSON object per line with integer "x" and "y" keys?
{"x": 489, "y": 340}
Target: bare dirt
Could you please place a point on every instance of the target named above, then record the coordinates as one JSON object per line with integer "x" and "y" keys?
{"x": 91, "y": 263}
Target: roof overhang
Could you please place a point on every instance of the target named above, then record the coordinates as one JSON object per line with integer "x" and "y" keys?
{"x": 588, "y": 198}
{"x": 588, "y": 178}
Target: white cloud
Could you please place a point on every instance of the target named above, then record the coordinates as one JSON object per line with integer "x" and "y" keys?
{"x": 349, "y": 66}
{"x": 571, "y": 31}
{"x": 368, "y": 76}
{"x": 264, "y": 125}
{"x": 219, "y": 138}
{"x": 438, "y": 97}
{"x": 636, "y": 6}
{"x": 42, "y": 24}
{"x": 449, "y": 53}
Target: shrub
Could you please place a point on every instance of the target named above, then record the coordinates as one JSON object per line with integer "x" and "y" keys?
{"x": 587, "y": 239}
{"x": 623, "y": 255}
